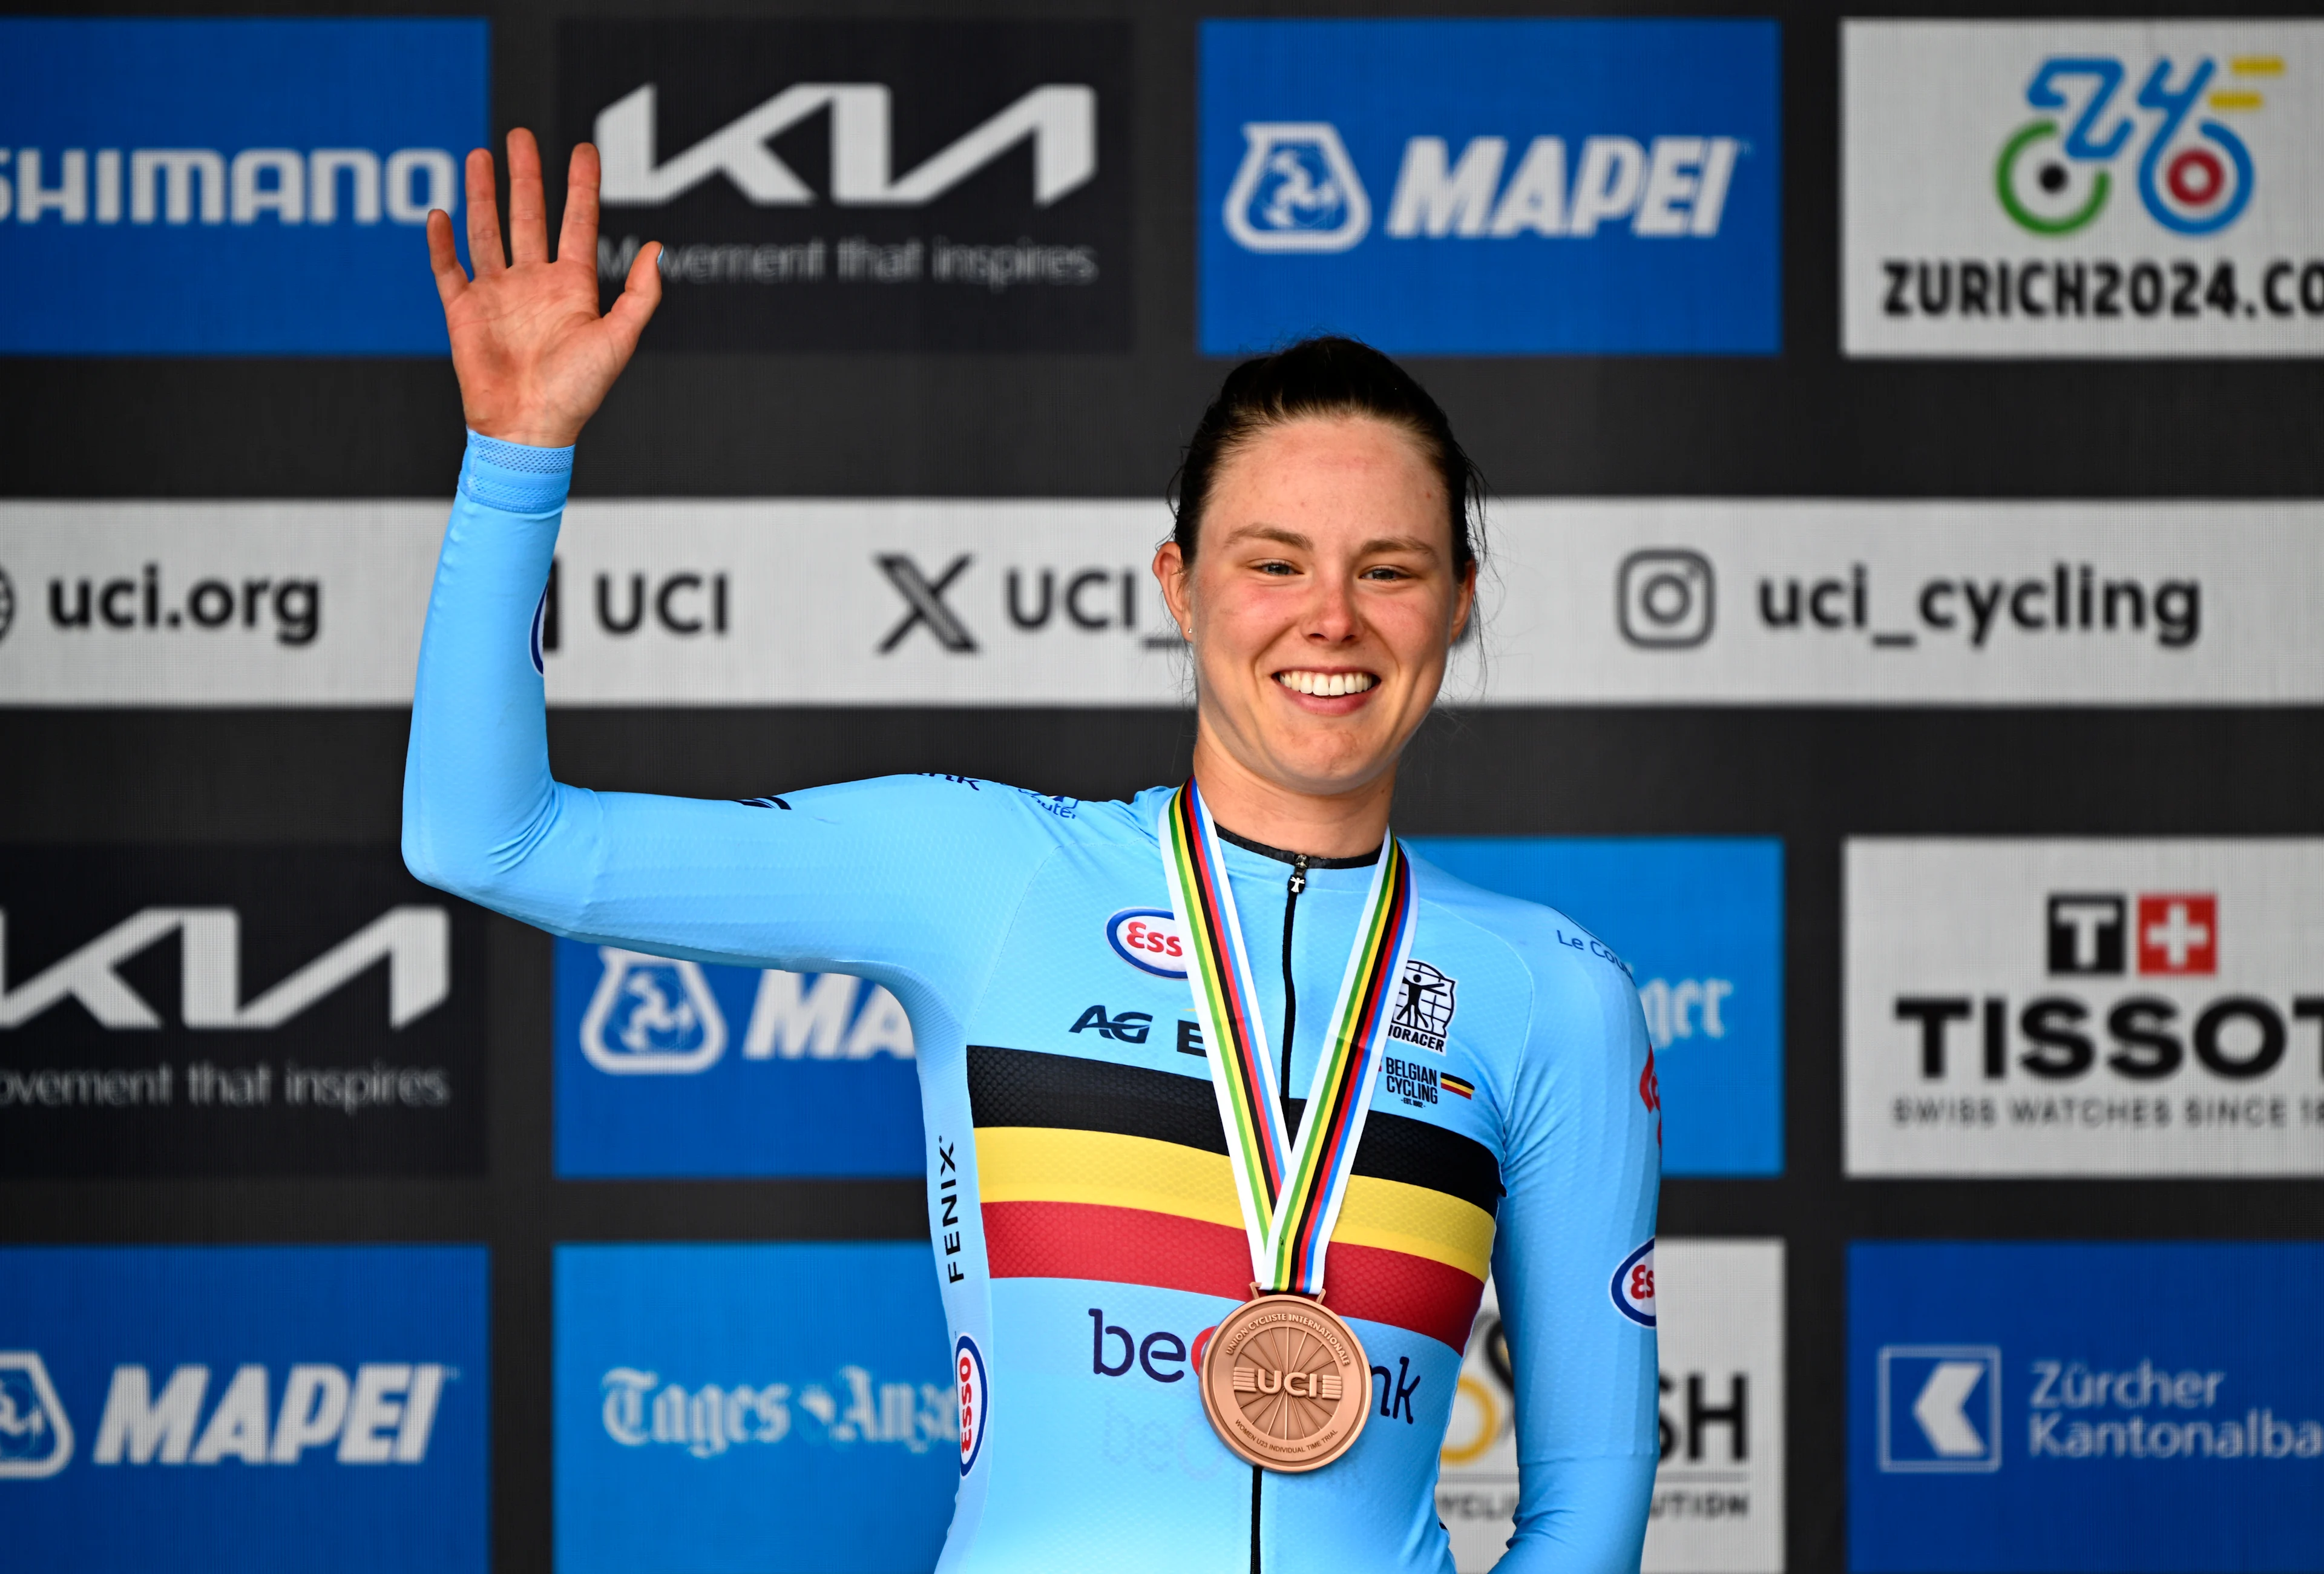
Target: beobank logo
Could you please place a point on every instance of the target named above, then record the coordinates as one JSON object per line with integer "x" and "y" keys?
{"x": 2159, "y": 127}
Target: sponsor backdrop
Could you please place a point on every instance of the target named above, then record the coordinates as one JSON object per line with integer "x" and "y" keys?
{"x": 1899, "y": 655}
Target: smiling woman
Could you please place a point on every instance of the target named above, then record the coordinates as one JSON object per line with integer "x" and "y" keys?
{"x": 1138, "y": 1178}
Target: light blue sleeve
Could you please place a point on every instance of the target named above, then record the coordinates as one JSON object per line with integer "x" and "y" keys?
{"x": 905, "y": 880}
{"x": 1584, "y": 1165}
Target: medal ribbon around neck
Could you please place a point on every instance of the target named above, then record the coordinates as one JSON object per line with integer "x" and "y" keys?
{"x": 1290, "y": 1193}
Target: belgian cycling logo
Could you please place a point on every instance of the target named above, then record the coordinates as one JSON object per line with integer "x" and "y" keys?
{"x": 35, "y": 1437}
{"x": 2194, "y": 176}
{"x": 651, "y": 1015}
{"x": 1296, "y": 191}
{"x": 1423, "y": 1005}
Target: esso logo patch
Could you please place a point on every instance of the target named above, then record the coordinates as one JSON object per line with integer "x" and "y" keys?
{"x": 969, "y": 1390}
{"x": 1633, "y": 1287}
{"x": 1148, "y": 939}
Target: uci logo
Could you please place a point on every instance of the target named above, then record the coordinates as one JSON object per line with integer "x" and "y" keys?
{"x": 2055, "y": 174}
{"x": 651, "y": 1015}
{"x": 1296, "y": 191}
{"x": 1148, "y": 939}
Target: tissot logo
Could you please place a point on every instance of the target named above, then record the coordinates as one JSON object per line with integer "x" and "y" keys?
{"x": 257, "y": 1010}
{"x": 2177, "y": 934}
{"x": 845, "y": 185}
{"x": 2122, "y": 1004}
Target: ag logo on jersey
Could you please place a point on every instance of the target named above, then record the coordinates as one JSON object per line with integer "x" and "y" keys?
{"x": 1633, "y": 1286}
{"x": 651, "y": 1015}
{"x": 35, "y": 1437}
{"x": 1149, "y": 939}
{"x": 1423, "y": 1005}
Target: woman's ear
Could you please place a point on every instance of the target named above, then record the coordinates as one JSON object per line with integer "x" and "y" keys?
{"x": 1171, "y": 573}
{"x": 1464, "y": 602}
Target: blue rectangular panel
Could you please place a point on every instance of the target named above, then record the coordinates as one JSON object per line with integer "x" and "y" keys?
{"x": 229, "y": 187}
{"x": 2036, "y": 1406}
{"x": 680, "y": 1069}
{"x": 1699, "y": 923}
{"x": 1491, "y": 187}
{"x": 256, "y": 1408}
{"x": 751, "y": 1410}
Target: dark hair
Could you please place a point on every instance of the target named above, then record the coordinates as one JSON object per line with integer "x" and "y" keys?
{"x": 1326, "y": 376}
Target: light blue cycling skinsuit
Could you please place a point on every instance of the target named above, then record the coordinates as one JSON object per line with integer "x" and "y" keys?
{"x": 1082, "y": 1212}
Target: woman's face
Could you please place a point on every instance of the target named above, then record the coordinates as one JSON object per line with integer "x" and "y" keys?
{"x": 1321, "y": 601}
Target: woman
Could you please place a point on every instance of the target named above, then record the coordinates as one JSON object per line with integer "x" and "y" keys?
{"x": 1106, "y": 1194}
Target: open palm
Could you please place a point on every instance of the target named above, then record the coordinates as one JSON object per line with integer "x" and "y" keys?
{"x": 534, "y": 357}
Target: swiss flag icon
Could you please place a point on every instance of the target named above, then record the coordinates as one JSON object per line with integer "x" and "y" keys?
{"x": 2179, "y": 934}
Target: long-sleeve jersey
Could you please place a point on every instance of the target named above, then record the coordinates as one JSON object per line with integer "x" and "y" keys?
{"x": 1083, "y": 1218}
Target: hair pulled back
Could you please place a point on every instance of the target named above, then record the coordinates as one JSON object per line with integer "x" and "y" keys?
{"x": 1325, "y": 376}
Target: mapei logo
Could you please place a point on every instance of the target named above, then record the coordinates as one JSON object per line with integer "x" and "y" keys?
{"x": 36, "y": 1440}
{"x": 1298, "y": 190}
{"x": 384, "y": 1413}
{"x": 2172, "y": 934}
{"x": 1939, "y": 1409}
{"x": 1058, "y": 119}
{"x": 414, "y": 941}
{"x": 653, "y": 1016}
{"x": 2194, "y": 176}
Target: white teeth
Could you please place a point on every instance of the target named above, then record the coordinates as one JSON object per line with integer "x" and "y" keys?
{"x": 1327, "y": 685}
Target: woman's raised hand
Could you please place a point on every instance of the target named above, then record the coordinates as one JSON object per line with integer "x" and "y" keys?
{"x": 534, "y": 357}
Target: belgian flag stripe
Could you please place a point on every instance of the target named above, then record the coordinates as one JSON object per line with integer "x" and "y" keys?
{"x": 1045, "y": 1164}
{"x": 1026, "y": 1087}
{"x": 1126, "y": 1246}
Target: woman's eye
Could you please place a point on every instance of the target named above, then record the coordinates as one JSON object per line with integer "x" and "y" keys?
{"x": 1277, "y": 569}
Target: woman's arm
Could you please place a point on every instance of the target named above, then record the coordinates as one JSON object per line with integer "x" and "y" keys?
{"x": 1585, "y": 1163}
{"x": 886, "y": 879}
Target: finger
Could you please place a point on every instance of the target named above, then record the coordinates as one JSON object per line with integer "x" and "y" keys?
{"x": 443, "y": 261}
{"x": 528, "y": 204}
{"x": 640, "y": 295}
{"x": 578, "y": 238}
{"x": 484, "y": 215}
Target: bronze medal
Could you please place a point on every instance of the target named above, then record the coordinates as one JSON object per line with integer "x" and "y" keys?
{"x": 1286, "y": 1384}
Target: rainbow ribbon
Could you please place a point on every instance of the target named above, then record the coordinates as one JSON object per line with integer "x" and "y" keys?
{"x": 1290, "y": 1193}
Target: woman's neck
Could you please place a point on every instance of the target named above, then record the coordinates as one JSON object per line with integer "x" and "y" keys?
{"x": 1339, "y": 825}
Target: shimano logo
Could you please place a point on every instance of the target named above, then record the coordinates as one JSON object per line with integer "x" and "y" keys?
{"x": 1057, "y": 119}
{"x": 207, "y": 186}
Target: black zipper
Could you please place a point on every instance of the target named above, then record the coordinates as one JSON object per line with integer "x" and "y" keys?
{"x": 1297, "y": 884}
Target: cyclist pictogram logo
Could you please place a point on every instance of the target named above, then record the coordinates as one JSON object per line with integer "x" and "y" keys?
{"x": 2194, "y": 175}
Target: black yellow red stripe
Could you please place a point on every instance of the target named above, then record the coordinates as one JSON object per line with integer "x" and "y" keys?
{"x": 1089, "y": 1170}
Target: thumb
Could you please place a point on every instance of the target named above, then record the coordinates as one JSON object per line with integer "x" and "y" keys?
{"x": 640, "y": 293}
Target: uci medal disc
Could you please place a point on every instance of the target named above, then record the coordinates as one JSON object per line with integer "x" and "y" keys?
{"x": 1286, "y": 1384}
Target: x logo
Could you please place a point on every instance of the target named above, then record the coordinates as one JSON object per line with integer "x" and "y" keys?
{"x": 925, "y": 598}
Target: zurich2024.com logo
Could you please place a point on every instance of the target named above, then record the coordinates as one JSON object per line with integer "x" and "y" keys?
{"x": 2194, "y": 175}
